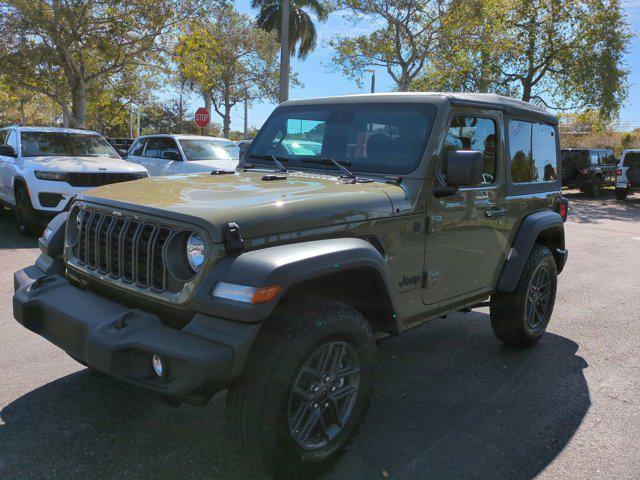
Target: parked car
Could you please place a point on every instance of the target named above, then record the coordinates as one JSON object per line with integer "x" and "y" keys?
{"x": 276, "y": 281}
{"x": 243, "y": 145}
{"x": 42, "y": 168}
{"x": 628, "y": 175}
{"x": 121, "y": 145}
{"x": 588, "y": 169}
{"x": 177, "y": 154}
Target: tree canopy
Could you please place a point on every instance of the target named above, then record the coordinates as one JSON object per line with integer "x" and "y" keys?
{"x": 62, "y": 48}
{"x": 563, "y": 54}
{"x": 227, "y": 57}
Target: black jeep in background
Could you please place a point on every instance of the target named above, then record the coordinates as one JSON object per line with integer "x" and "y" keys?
{"x": 588, "y": 169}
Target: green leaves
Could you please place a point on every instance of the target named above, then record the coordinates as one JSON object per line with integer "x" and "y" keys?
{"x": 302, "y": 30}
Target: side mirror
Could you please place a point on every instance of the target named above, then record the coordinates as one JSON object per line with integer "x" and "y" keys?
{"x": 123, "y": 153}
{"x": 464, "y": 168}
{"x": 171, "y": 155}
{"x": 8, "y": 151}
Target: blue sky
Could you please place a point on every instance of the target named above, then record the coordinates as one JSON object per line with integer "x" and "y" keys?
{"x": 318, "y": 79}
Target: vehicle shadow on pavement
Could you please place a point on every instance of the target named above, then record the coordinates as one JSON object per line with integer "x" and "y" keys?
{"x": 586, "y": 209}
{"x": 9, "y": 235}
{"x": 451, "y": 402}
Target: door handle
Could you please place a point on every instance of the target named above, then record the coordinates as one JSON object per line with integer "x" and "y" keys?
{"x": 495, "y": 213}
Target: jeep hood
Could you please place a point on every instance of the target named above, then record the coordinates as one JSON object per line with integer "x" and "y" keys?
{"x": 261, "y": 206}
{"x": 63, "y": 163}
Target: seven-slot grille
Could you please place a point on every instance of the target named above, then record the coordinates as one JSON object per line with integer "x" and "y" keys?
{"x": 124, "y": 248}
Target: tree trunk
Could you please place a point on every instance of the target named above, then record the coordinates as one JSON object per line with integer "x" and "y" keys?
{"x": 78, "y": 104}
{"x": 226, "y": 120}
{"x": 526, "y": 91}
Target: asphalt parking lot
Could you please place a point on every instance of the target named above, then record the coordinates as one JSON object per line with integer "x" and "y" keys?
{"x": 451, "y": 401}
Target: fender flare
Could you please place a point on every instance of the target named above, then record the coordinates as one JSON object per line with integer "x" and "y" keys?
{"x": 286, "y": 266}
{"x": 531, "y": 228}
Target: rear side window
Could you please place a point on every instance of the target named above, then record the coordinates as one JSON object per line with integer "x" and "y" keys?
{"x": 138, "y": 148}
{"x": 631, "y": 158}
{"x": 533, "y": 152}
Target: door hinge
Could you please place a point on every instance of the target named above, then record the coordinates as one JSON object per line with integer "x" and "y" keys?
{"x": 435, "y": 223}
{"x": 430, "y": 278}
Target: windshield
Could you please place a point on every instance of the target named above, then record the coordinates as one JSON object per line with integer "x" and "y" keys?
{"x": 631, "y": 158}
{"x": 381, "y": 138}
{"x": 209, "y": 150}
{"x": 49, "y": 144}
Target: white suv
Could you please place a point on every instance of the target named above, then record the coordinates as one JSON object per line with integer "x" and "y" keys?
{"x": 178, "y": 154}
{"x": 628, "y": 174}
{"x": 42, "y": 168}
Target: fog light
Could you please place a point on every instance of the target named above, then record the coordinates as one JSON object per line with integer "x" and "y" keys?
{"x": 158, "y": 365}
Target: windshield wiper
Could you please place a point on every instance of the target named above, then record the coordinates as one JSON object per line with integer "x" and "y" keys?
{"x": 330, "y": 161}
{"x": 273, "y": 158}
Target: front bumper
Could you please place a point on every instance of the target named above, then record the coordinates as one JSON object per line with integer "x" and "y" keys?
{"x": 117, "y": 340}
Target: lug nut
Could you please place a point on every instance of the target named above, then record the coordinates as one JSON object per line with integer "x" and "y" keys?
{"x": 315, "y": 388}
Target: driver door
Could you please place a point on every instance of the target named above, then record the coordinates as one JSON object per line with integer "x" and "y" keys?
{"x": 467, "y": 234}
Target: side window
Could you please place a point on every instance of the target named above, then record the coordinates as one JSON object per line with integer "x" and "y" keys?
{"x": 161, "y": 148}
{"x": 533, "y": 152}
{"x": 594, "y": 158}
{"x": 3, "y": 137}
{"x": 473, "y": 133}
{"x": 138, "y": 148}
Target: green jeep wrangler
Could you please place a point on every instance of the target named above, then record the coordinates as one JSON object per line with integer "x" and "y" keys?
{"x": 349, "y": 219}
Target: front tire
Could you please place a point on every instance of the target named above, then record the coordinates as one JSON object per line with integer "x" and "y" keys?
{"x": 306, "y": 387}
{"x": 521, "y": 317}
{"x": 26, "y": 217}
{"x": 621, "y": 193}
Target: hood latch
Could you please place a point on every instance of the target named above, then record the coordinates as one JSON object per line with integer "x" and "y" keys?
{"x": 232, "y": 238}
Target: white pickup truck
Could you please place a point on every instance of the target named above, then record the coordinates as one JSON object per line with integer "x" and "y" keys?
{"x": 42, "y": 168}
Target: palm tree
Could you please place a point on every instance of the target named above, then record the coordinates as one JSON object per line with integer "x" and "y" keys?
{"x": 302, "y": 31}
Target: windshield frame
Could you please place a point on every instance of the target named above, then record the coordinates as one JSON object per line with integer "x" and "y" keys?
{"x": 114, "y": 154}
{"x": 296, "y": 162}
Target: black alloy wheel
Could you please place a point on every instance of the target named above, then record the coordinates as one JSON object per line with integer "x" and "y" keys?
{"x": 324, "y": 395}
{"x": 538, "y": 298}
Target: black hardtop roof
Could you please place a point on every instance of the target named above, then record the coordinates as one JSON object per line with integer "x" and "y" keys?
{"x": 484, "y": 100}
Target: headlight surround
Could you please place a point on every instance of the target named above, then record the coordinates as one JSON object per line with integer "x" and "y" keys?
{"x": 51, "y": 176}
{"x": 195, "y": 250}
{"x": 184, "y": 255}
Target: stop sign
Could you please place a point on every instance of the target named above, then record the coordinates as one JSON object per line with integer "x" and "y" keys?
{"x": 202, "y": 117}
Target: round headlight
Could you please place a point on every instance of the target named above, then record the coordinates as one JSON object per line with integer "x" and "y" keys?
{"x": 195, "y": 251}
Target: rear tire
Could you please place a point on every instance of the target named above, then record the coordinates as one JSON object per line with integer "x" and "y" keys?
{"x": 621, "y": 193}
{"x": 596, "y": 187}
{"x": 521, "y": 317}
{"x": 283, "y": 388}
{"x": 26, "y": 217}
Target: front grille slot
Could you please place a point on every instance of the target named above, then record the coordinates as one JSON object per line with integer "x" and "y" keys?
{"x": 123, "y": 248}
{"x": 128, "y": 249}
